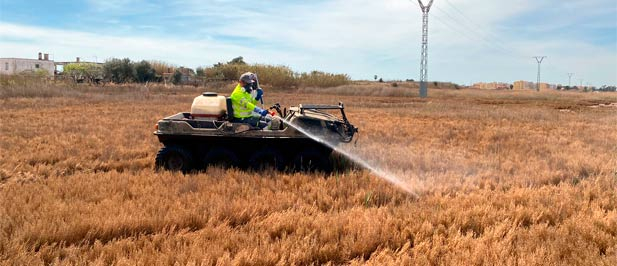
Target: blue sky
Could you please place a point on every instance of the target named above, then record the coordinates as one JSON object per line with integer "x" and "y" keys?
{"x": 469, "y": 40}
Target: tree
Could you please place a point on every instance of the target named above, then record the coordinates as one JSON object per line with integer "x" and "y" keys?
{"x": 119, "y": 70}
{"x": 161, "y": 67}
{"x": 144, "y": 72}
{"x": 80, "y": 72}
{"x": 237, "y": 61}
{"x": 200, "y": 72}
{"x": 177, "y": 77}
{"x": 375, "y": 77}
{"x": 511, "y": 86}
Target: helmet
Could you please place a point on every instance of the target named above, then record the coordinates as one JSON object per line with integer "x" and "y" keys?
{"x": 247, "y": 78}
{"x": 254, "y": 77}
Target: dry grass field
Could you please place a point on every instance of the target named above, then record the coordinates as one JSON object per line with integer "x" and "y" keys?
{"x": 498, "y": 178}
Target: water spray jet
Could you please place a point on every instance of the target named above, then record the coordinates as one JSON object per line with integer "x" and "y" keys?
{"x": 381, "y": 173}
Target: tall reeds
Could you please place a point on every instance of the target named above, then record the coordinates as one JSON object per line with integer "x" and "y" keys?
{"x": 503, "y": 178}
{"x": 278, "y": 77}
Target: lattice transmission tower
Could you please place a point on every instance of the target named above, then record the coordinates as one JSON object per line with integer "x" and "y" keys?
{"x": 539, "y": 60}
{"x": 424, "y": 56}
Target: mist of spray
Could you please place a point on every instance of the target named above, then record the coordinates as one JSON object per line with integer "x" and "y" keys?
{"x": 384, "y": 174}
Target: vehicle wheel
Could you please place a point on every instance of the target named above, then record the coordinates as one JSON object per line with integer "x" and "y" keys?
{"x": 222, "y": 157}
{"x": 267, "y": 159}
{"x": 174, "y": 158}
{"x": 311, "y": 160}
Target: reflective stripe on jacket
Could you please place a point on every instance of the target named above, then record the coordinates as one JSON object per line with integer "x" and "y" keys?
{"x": 242, "y": 103}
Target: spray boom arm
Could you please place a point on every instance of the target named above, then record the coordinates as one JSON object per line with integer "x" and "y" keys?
{"x": 346, "y": 130}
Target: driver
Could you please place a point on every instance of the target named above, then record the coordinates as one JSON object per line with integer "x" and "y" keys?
{"x": 244, "y": 104}
{"x": 257, "y": 93}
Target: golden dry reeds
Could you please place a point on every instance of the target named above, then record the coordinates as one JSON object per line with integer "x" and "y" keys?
{"x": 161, "y": 67}
{"x": 501, "y": 177}
{"x": 26, "y": 86}
{"x": 336, "y": 86}
{"x": 277, "y": 77}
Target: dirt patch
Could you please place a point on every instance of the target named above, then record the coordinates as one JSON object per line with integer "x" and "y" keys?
{"x": 604, "y": 105}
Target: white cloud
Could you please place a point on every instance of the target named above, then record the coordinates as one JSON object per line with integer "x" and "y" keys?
{"x": 66, "y": 45}
{"x": 121, "y": 6}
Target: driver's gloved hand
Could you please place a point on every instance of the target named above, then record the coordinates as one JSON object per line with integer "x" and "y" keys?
{"x": 260, "y": 94}
{"x": 260, "y": 111}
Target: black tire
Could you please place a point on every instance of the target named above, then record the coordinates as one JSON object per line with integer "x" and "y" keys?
{"x": 174, "y": 158}
{"x": 267, "y": 158}
{"x": 222, "y": 157}
{"x": 312, "y": 160}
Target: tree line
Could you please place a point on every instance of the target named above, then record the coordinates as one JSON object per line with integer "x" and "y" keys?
{"x": 126, "y": 71}
{"x": 123, "y": 71}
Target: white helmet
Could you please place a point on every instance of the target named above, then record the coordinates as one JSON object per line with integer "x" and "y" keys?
{"x": 253, "y": 76}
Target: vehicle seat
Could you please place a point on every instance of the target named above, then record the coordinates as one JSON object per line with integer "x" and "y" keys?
{"x": 230, "y": 115}
{"x": 230, "y": 110}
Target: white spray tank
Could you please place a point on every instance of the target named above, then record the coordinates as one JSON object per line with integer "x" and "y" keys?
{"x": 209, "y": 106}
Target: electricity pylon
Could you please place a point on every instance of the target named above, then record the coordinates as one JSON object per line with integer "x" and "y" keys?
{"x": 539, "y": 60}
{"x": 570, "y": 78}
{"x": 424, "y": 57}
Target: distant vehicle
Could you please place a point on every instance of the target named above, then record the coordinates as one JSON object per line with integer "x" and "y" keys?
{"x": 206, "y": 136}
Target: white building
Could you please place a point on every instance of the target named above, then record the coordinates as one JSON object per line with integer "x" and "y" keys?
{"x": 12, "y": 66}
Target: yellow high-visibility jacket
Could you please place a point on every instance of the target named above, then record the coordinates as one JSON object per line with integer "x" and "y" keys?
{"x": 242, "y": 103}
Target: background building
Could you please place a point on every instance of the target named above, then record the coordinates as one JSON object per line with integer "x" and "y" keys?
{"x": 492, "y": 85}
{"x": 546, "y": 86}
{"x": 524, "y": 85}
{"x": 12, "y": 66}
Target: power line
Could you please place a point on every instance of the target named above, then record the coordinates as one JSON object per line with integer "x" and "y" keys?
{"x": 461, "y": 33}
{"x": 445, "y": 23}
{"x": 473, "y": 33}
{"x": 462, "y": 28}
{"x": 497, "y": 38}
{"x": 448, "y": 25}
{"x": 489, "y": 42}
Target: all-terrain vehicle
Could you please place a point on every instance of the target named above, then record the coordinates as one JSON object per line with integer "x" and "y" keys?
{"x": 207, "y": 136}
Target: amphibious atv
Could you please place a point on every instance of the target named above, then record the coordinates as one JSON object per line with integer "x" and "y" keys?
{"x": 206, "y": 136}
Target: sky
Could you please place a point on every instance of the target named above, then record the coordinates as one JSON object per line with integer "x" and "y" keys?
{"x": 469, "y": 40}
